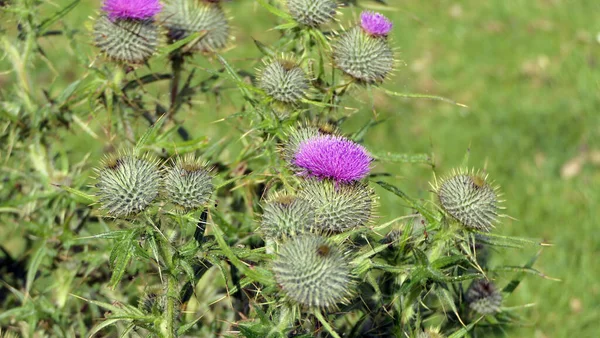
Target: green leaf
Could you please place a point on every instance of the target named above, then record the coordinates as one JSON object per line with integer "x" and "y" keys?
{"x": 402, "y": 158}
{"x": 150, "y": 134}
{"x": 264, "y": 49}
{"x": 34, "y": 264}
{"x": 121, "y": 256}
{"x": 81, "y": 196}
{"x": 445, "y": 262}
{"x": 423, "y": 96}
{"x": 507, "y": 241}
{"x": 274, "y": 10}
{"x": 411, "y": 202}
{"x": 465, "y": 330}
{"x": 102, "y": 325}
{"x": 192, "y": 39}
{"x": 56, "y": 16}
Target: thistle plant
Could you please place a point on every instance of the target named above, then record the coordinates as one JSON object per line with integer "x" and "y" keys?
{"x": 188, "y": 184}
{"x": 127, "y": 184}
{"x": 223, "y": 216}
{"x": 332, "y": 157}
{"x": 339, "y": 207}
{"x": 183, "y": 18}
{"x": 469, "y": 198}
{"x": 283, "y": 80}
{"x": 312, "y": 13}
{"x": 126, "y": 31}
{"x": 313, "y": 272}
{"x": 363, "y": 52}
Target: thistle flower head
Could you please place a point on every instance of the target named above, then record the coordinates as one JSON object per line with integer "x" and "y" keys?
{"x": 338, "y": 207}
{"x": 333, "y": 157}
{"x": 297, "y": 135}
{"x": 312, "y": 13}
{"x": 124, "y": 40}
{"x": 286, "y": 215}
{"x": 284, "y": 80}
{"x": 470, "y": 199}
{"x": 131, "y": 9}
{"x": 188, "y": 184}
{"x": 184, "y": 17}
{"x": 375, "y": 24}
{"x": 313, "y": 272}
{"x": 366, "y": 58}
{"x": 127, "y": 184}
{"x": 483, "y": 297}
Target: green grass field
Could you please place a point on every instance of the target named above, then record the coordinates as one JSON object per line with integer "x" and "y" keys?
{"x": 529, "y": 72}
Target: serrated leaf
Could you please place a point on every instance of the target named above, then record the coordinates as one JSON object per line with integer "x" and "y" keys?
{"x": 264, "y": 49}
{"x": 121, "y": 256}
{"x": 150, "y": 134}
{"x": 34, "y": 265}
{"x": 444, "y": 262}
{"x": 507, "y": 241}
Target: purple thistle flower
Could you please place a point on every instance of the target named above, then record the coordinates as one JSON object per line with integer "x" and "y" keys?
{"x": 333, "y": 157}
{"x": 375, "y": 24}
{"x": 131, "y": 9}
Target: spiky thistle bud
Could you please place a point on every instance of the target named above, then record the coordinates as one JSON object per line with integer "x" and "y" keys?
{"x": 332, "y": 157}
{"x": 283, "y": 80}
{"x": 363, "y": 52}
{"x": 184, "y": 17}
{"x": 285, "y": 215}
{"x": 188, "y": 183}
{"x": 126, "y": 32}
{"x": 312, "y": 13}
{"x": 470, "y": 199}
{"x": 483, "y": 297}
{"x": 313, "y": 272}
{"x": 339, "y": 207}
{"x": 127, "y": 184}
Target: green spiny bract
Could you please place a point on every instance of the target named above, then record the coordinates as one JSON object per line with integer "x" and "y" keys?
{"x": 286, "y": 215}
{"x": 313, "y": 272}
{"x": 312, "y": 13}
{"x": 470, "y": 199}
{"x": 483, "y": 297}
{"x": 188, "y": 184}
{"x": 284, "y": 81}
{"x": 185, "y": 17}
{"x": 127, "y": 184}
{"x": 126, "y": 40}
{"x": 368, "y": 59}
{"x": 429, "y": 333}
{"x": 339, "y": 207}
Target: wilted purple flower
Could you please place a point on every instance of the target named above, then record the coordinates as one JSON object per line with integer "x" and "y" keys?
{"x": 131, "y": 9}
{"x": 333, "y": 157}
{"x": 375, "y": 23}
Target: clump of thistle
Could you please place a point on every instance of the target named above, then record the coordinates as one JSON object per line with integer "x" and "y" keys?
{"x": 332, "y": 157}
{"x": 470, "y": 199}
{"x": 483, "y": 297}
{"x": 284, "y": 80}
{"x": 339, "y": 207}
{"x": 313, "y": 272}
{"x": 184, "y": 17}
{"x": 127, "y": 184}
{"x": 126, "y": 32}
{"x": 363, "y": 52}
{"x": 285, "y": 215}
{"x": 188, "y": 184}
{"x": 312, "y": 13}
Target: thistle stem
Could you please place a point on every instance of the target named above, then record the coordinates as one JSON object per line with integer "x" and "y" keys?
{"x": 325, "y": 324}
{"x": 176, "y": 66}
{"x": 169, "y": 319}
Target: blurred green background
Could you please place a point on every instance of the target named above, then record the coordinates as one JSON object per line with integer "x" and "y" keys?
{"x": 529, "y": 71}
